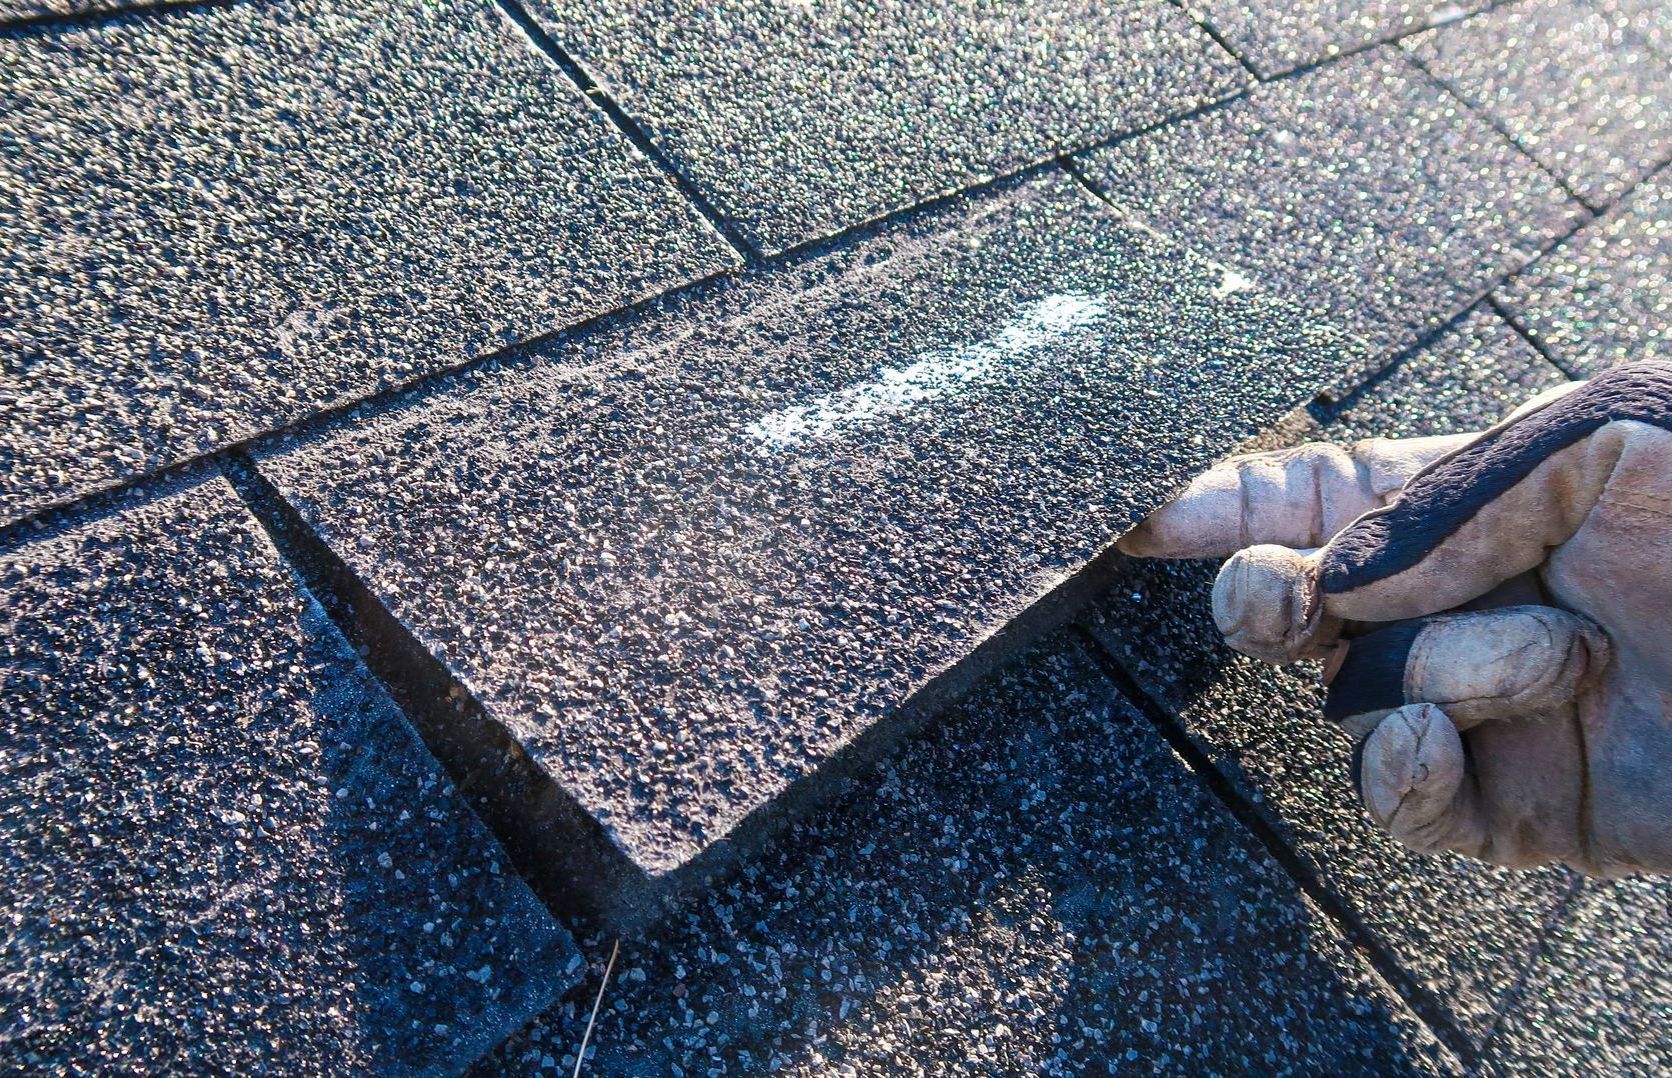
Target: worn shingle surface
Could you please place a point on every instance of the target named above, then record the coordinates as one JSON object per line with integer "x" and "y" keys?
{"x": 799, "y": 119}
{"x": 1597, "y": 999}
{"x": 1276, "y": 36}
{"x": 222, "y": 845}
{"x": 1310, "y": 186}
{"x": 1464, "y": 930}
{"x": 217, "y": 221}
{"x": 1605, "y": 295}
{"x": 686, "y": 565}
{"x": 1588, "y": 103}
{"x": 1037, "y": 886}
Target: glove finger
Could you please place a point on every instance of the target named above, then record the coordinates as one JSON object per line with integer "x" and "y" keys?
{"x": 1295, "y": 497}
{"x": 1266, "y": 602}
{"x": 1509, "y": 663}
{"x": 1415, "y": 779}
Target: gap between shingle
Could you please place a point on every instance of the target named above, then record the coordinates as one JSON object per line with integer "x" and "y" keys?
{"x": 1346, "y": 922}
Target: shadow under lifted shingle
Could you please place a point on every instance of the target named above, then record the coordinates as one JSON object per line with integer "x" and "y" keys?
{"x": 1361, "y": 191}
{"x": 220, "y": 221}
{"x": 223, "y": 848}
{"x": 797, "y": 120}
{"x": 1604, "y": 296}
{"x": 1035, "y": 886}
{"x": 690, "y": 565}
{"x": 1463, "y": 931}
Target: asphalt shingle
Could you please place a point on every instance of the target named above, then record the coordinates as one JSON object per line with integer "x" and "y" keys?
{"x": 686, "y": 564}
{"x": 1310, "y": 186}
{"x": 1276, "y": 36}
{"x": 1467, "y": 378}
{"x": 218, "y": 221}
{"x": 1592, "y": 105}
{"x": 1597, "y": 1000}
{"x": 222, "y": 845}
{"x": 1605, "y": 295}
{"x": 798, "y": 119}
{"x": 1650, "y": 20}
{"x": 1037, "y": 886}
{"x": 1462, "y": 929}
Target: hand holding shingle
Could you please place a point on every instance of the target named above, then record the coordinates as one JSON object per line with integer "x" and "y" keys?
{"x": 1497, "y": 609}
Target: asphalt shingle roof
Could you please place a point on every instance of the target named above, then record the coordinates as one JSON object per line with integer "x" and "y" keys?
{"x": 677, "y": 405}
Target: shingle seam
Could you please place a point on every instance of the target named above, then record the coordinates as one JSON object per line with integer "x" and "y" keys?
{"x": 1446, "y": 87}
{"x": 544, "y": 44}
{"x": 1617, "y": 208}
{"x": 1559, "y": 915}
{"x": 1219, "y": 39}
{"x": 480, "y": 756}
{"x": 1383, "y": 964}
{"x": 55, "y": 516}
{"x": 1308, "y": 66}
{"x": 1327, "y": 412}
{"x": 1516, "y": 323}
{"x": 47, "y": 22}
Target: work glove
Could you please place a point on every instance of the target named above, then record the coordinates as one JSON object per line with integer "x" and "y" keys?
{"x": 1494, "y": 610}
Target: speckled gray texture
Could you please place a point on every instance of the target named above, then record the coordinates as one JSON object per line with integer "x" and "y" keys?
{"x": 1463, "y": 930}
{"x": 14, "y": 11}
{"x": 1467, "y": 378}
{"x": 1591, "y": 104}
{"x": 1361, "y": 190}
{"x": 217, "y": 221}
{"x": 1037, "y": 886}
{"x": 797, "y": 119}
{"x": 224, "y": 849}
{"x": 1275, "y": 36}
{"x": 1605, "y": 295}
{"x": 687, "y": 564}
{"x": 1598, "y": 999}
{"x": 1650, "y": 20}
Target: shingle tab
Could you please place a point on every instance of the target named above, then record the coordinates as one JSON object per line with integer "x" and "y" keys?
{"x": 1464, "y": 930}
{"x": 223, "y": 847}
{"x": 1602, "y": 990}
{"x": 1361, "y": 191}
{"x": 1592, "y": 105}
{"x": 797, "y": 119}
{"x": 216, "y": 221}
{"x": 1035, "y": 887}
{"x": 1276, "y": 36}
{"x": 686, "y": 565}
{"x": 1605, "y": 295}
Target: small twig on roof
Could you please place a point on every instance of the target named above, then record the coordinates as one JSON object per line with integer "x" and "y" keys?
{"x": 580, "y": 1056}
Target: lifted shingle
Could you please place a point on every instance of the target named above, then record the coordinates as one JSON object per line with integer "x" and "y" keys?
{"x": 224, "y": 849}
{"x": 686, "y": 564}
{"x": 1462, "y": 931}
{"x": 1036, "y": 886}
{"x": 218, "y": 221}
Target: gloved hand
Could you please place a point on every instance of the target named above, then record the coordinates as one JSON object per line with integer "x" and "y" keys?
{"x": 1496, "y": 609}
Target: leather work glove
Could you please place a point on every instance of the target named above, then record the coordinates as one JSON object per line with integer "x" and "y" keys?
{"x": 1496, "y": 610}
